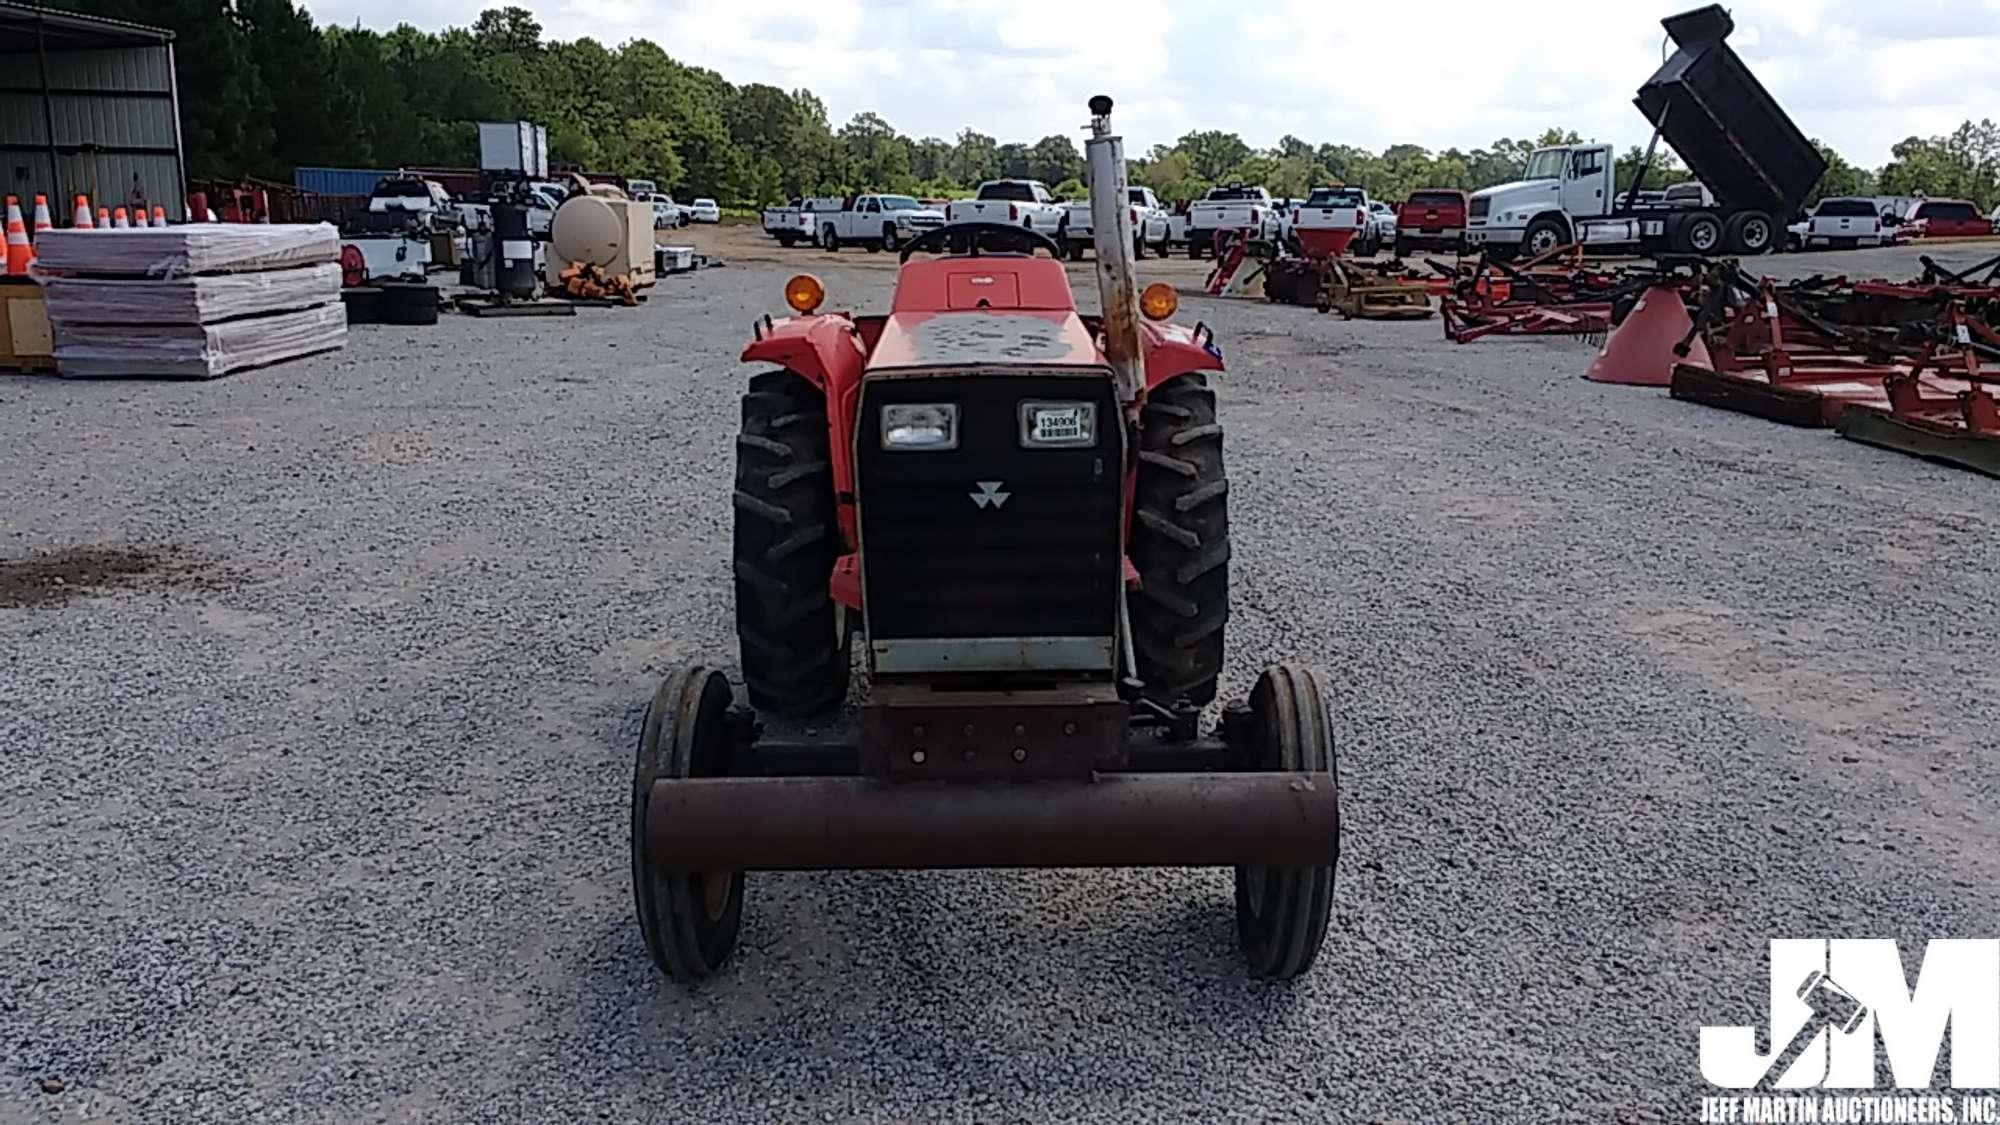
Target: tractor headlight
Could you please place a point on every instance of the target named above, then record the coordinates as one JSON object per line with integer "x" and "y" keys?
{"x": 1058, "y": 425}
{"x": 920, "y": 425}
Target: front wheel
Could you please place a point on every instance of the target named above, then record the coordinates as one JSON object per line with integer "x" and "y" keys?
{"x": 1180, "y": 544}
{"x": 689, "y": 920}
{"x": 1543, "y": 236}
{"x": 889, "y": 240}
{"x": 1282, "y": 912}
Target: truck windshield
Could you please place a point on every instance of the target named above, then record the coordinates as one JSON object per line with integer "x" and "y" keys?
{"x": 1546, "y": 165}
{"x": 898, "y": 203}
{"x": 1011, "y": 191}
{"x": 1334, "y": 197}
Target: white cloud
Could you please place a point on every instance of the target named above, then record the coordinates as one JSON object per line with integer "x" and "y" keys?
{"x": 1859, "y": 73}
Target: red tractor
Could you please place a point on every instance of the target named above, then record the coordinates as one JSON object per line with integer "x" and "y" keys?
{"x": 1023, "y": 509}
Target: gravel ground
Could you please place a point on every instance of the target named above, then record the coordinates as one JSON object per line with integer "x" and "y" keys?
{"x": 317, "y": 810}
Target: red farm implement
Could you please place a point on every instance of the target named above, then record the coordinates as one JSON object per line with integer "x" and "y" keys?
{"x": 1904, "y": 366}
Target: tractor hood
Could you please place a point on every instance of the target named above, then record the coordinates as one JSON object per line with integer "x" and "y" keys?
{"x": 985, "y": 337}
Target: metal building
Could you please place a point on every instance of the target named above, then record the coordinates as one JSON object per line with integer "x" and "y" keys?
{"x": 88, "y": 105}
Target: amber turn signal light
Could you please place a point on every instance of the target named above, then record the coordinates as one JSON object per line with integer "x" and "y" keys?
{"x": 1159, "y": 301}
{"x": 804, "y": 293}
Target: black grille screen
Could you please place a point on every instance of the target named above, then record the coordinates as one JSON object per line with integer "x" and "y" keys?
{"x": 1042, "y": 563}
{"x": 1477, "y": 208}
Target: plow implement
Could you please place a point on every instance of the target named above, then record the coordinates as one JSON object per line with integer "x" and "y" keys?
{"x": 1554, "y": 294}
{"x": 1902, "y": 367}
{"x": 1357, "y": 291}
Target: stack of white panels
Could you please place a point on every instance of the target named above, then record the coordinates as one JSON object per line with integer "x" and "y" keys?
{"x": 193, "y": 301}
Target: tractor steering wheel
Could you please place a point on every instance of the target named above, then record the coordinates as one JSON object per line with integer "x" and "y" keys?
{"x": 964, "y": 238}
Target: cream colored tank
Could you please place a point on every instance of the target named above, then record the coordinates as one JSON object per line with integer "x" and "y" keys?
{"x": 603, "y": 228}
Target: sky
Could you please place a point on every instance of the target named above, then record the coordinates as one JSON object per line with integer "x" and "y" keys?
{"x": 1859, "y": 74}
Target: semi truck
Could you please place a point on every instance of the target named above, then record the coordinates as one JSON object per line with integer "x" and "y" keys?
{"x": 1756, "y": 166}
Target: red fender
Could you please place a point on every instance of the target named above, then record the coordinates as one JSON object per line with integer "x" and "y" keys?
{"x": 826, "y": 352}
{"x": 1175, "y": 349}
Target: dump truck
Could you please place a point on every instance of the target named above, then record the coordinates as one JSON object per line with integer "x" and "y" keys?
{"x": 1021, "y": 509}
{"x": 1726, "y": 127}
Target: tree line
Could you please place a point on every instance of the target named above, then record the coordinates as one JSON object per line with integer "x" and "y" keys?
{"x": 263, "y": 90}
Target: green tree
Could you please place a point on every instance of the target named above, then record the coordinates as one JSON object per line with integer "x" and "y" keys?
{"x": 1054, "y": 159}
{"x": 1212, "y": 152}
{"x": 974, "y": 159}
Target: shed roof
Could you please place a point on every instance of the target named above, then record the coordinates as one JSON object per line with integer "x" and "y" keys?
{"x": 22, "y": 24}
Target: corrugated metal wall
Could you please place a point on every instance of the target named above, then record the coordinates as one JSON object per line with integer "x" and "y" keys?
{"x": 118, "y": 99}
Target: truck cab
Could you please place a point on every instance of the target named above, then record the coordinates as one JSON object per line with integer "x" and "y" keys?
{"x": 876, "y": 222}
{"x": 1539, "y": 212}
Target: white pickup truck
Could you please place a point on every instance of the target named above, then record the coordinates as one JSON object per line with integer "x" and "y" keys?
{"x": 1330, "y": 221}
{"x": 878, "y": 222}
{"x": 792, "y": 223}
{"x": 1149, "y": 224}
{"x": 1021, "y": 203}
{"x": 1231, "y": 207}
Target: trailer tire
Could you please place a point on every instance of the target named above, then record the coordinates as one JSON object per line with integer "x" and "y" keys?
{"x": 1282, "y": 912}
{"x": 792, "y": 637}
{"x": 689, "y": 920}
{"x": 1750, "y": 232}
{"x": 1700, "y": 233}
{"x": 1180, "y": 543}
{"x": 1544, "y": 235}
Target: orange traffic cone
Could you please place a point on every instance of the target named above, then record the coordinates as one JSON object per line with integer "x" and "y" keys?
{"x": 82, "y": 219}
{"x": 104, "y": 218}
{"x": 159, "y": 215}
{"x": 1640, "y": 352}
{"x": 43, "y": 221}
{"x": 19, "y": 253}
{"x": 118, "y": 220}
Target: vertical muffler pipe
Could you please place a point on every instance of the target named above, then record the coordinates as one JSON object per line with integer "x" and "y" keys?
{"x": 1111, "y": 227}
{"x": 1117, "y": 820}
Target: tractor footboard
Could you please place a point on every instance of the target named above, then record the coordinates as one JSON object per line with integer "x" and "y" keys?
{"x": 1117, "y": 820}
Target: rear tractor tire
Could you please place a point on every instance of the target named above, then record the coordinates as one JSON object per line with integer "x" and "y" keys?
{"x": 1282, "y": 912}
{"x": 792, "y": 637}
{"x": 1180, "y": 544}
{"x": 689, "y": 920}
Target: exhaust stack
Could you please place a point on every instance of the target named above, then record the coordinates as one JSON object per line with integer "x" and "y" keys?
{"x": 1111, "y": 223}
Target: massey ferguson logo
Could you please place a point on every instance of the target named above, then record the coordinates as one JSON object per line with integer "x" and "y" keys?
{"x": 1843, "y": 1012}
{"x": 989, "y": 495}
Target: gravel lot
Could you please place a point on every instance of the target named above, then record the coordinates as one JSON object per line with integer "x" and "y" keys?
{"x": 317, "y": 812}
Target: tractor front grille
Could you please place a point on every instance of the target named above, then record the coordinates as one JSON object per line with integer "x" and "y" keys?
{"x": 990, "y": 539}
